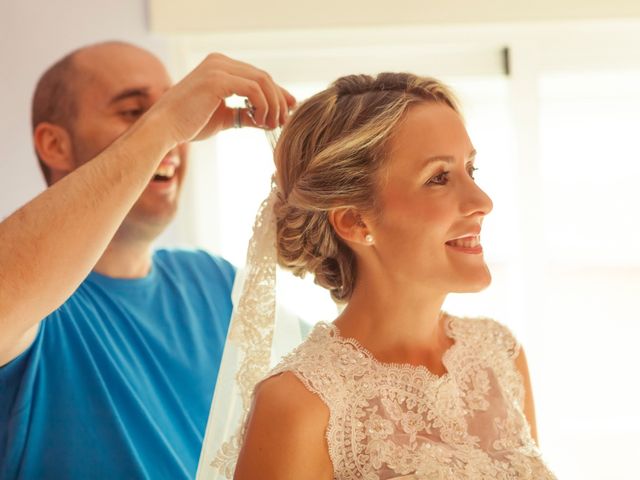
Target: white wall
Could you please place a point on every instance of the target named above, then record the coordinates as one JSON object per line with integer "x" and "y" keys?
{"x": 198, "y": 16}
{"x": 33, "y": 35}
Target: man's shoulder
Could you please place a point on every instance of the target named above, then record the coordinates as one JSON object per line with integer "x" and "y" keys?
{"x": 194, "y": 260}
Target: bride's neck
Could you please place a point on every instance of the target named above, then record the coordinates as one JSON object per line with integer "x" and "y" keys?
{"x": 399, "y": 323}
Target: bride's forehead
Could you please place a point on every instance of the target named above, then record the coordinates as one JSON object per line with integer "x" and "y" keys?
{"x": 429, "y": 122}
{"x": 427, "y": 130}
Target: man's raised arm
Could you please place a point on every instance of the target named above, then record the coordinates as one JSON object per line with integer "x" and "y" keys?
{"x": 52, "y": 243}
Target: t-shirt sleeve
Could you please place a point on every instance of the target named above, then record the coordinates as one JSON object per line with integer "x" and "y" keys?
{"x": 226, "y": 269}
{"x": 10, "y": 376}
{"x": 12, "y": 373}
{"x": 17, "y": 379}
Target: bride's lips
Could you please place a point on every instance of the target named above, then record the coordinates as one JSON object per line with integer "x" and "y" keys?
{"x": 469, "y": 244}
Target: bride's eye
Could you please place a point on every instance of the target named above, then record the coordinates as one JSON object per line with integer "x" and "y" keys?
{"x": 440, "y": 179}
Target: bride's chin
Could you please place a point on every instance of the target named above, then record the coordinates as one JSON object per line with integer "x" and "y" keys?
{"x": 474, "y": 284}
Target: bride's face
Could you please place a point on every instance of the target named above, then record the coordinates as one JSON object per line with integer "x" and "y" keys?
{"x": 428, "y": 200}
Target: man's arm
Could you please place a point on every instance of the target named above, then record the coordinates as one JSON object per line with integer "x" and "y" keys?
{"x": 51, "y": 244}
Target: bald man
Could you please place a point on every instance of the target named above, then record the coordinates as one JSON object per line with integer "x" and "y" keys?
{"x": 109, "y": 350}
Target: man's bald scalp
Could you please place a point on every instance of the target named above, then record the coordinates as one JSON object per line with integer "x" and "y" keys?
{"x": 55, "y": 99}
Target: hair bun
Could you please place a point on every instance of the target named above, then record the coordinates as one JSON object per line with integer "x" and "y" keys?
{"x": 307, "y": 243}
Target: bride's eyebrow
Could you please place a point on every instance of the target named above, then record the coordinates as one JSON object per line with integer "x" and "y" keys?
{"x": 438, "y": 158}
{"x": 446, "y": 158}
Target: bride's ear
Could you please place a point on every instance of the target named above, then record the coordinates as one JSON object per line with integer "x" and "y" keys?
{"x": 350, "y": 226}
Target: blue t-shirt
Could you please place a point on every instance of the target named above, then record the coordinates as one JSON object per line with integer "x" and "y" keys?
{"x": 119, "y": 380}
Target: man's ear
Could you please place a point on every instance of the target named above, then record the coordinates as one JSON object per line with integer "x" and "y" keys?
{"x": 53, "y": 144}
{"x": 350, "y": 226}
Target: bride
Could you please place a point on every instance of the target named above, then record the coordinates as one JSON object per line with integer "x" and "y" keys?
{"x": 376, "y": 198}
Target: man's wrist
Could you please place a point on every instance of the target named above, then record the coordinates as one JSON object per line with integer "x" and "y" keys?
{"x": 149, "y": 138}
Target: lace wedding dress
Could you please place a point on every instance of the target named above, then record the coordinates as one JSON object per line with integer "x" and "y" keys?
{"x": 390, "y": 421}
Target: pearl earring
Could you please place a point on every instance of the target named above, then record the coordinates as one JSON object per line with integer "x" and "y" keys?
{"x": 368, "y": 238}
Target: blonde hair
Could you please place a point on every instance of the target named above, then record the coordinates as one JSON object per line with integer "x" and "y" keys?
{"x": 329, "y": 156}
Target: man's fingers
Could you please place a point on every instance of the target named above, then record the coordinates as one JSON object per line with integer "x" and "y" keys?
{"x": 284, "y": 107}
{"x": 223, "y": 117}
{"x": 289, "y": 104}
{"x": 290, "y": 99}
{"x": 238, "y": 117}
{"x": 271, "y": 93}
{"x": 273, "y": 97}
{"x": 256, "y": 95}
{"x": 277, "y": 106}
{"x": 198, "y": 99}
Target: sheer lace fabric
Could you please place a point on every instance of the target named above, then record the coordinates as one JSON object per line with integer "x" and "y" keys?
{"x": 390, "y": 421}
{"x": 247, "y": 351}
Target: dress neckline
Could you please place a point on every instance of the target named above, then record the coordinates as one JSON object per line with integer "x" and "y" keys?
{"x": 448, "y": 329}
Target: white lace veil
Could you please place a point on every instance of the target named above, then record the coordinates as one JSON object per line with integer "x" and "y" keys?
{"x": 248, "y": 349}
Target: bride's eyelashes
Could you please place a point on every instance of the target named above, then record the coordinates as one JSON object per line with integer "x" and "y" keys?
{"x": 442, "y": 178}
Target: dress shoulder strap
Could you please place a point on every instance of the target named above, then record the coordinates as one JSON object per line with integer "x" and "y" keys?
{"x": 318, "y": 364}
{"x": 493, "y": 337}
{"x": 490, "y": 343}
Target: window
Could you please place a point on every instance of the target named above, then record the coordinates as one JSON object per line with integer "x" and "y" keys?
{"x": 589, "y": 167}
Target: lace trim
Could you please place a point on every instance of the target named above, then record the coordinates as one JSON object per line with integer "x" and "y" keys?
{"x": 391, "y": 420}
{"x": 252, "y": 325}
{"x": 335, "y": 332}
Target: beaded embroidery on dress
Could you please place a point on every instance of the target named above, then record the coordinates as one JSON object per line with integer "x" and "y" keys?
{"x": 390, "y": 421}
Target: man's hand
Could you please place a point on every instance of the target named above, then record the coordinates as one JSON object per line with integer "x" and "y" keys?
{"x": 194, "y": 108}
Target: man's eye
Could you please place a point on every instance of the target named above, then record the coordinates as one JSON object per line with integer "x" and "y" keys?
{"x": 440, "y": 179}
{"x": 132, "y": 113}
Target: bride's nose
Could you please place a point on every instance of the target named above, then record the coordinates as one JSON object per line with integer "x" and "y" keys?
{"x": 475, "y": 200}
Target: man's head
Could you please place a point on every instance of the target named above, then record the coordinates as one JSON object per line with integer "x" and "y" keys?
{"x": 87, "y": 100}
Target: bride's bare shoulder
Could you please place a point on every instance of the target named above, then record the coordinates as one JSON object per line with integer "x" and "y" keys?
{"x": 285, "y": 396}
{"x": 285, "y": 432}
{"x": 287, "y": 388}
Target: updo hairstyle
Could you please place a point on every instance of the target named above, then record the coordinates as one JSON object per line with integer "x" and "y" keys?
{"x": 328, "y": 156}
